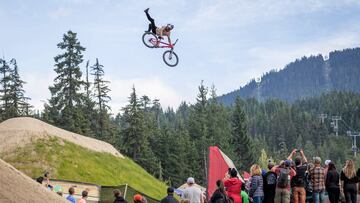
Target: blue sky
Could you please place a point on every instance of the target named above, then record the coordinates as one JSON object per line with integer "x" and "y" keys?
{"x": 223, "y": 42}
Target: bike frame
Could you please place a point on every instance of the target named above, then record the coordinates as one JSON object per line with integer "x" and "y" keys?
{"x": 160, "y": 44}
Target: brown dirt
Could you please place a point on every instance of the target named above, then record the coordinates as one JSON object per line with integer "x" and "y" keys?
{"x": 17, "y": 132}
{"x": 17, "y": 187}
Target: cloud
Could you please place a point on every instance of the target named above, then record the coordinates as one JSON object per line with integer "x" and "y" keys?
{"x": 235, "y": 13}
{"x": 278, "y": 57}
{"x": 60, "y": 12}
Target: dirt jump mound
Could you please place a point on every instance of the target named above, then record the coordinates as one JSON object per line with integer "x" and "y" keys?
{"x": 17, "y": 132}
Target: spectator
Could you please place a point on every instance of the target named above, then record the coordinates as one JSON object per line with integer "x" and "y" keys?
{"x": 170, "y": 196}
{"x": 332, "y": 183}
{"x": 138, "y": 198}
{"x": 84, "y": 195}
{"x": 219, "y": 196}
{"x": 244, "y": 195}
{"x": 285, "y": 174}
{"x": 326, "y": 168}
{"x": 70, "y": 197}
{"x": 118, "y": 197}
{"x": 192, "y": 193}
{"x": 233, "y": 186}
{"x": 40, "y": 179}
{"x": 299, "y": 181}
{"x": 317, "y": 177}
{"x": 308, "y": 185}
{"x": 269, "y": 184}
{"x": 349, "y": 182}
{"x": 256, "y": 192}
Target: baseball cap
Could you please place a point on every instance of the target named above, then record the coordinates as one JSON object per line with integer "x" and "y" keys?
{"x": 137, "y": 198}
{"x": 327, "y": 162}
{"x": 190, "y": 180}
{"x": 287, "y": 162}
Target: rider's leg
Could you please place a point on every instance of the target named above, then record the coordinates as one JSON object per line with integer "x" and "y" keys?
{"x": 152, "y": 22}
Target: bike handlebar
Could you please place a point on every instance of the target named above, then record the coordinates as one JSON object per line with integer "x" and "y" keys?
{"x": 175, "y": 42}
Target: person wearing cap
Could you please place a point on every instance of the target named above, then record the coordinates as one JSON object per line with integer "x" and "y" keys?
{"x": 170, "y": 196}
{"x": 284, "y": 173}
{"x": 317, "y": 177}
{"x": 269, "y": 184}
{"x": 138, "y": 198}
{"x": 326, "y": 168}
{"x": 118, "y": 197}
{"x": 299, "y": 180}
{"x": 192, "y": 193}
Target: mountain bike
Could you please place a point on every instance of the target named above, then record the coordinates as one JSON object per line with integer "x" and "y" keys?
{"x": 169, "y": 56}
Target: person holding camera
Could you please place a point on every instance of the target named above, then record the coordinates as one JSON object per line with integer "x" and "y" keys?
{"x": 299, "y": 180}
{"x": 284, "y": 173}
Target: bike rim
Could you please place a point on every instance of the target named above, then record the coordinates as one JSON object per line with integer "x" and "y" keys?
{"x": 170, "y": 59}
{"x": 150, "y": 40}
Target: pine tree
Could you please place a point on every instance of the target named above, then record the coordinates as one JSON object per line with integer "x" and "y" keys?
{"x": 101, "y": 97}
{"x": 18, "y": 105}
{"x": 66, "y": 103}
{"x": 243, "y": 145}
{"x": 5, "y": 83}
{"x": 135, "y": 138}
{"x": 133, "y": 134}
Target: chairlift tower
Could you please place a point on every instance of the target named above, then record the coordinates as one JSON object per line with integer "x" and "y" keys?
{"x": 335, "y": 124}
{"x": 354, "y": 136}
{"x": 322, "y": 117}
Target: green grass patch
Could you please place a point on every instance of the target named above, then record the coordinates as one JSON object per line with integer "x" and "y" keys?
{"x": 69, "y": 161}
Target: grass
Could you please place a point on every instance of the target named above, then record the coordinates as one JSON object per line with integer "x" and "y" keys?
{"x": 68, "y": 161}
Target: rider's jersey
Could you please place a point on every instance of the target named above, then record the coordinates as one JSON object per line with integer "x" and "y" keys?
{"x": 161, "y": 31}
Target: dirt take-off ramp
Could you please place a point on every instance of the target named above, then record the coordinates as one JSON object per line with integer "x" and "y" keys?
{"x": 17, "y": 187}
{"x": 17, "y": 132}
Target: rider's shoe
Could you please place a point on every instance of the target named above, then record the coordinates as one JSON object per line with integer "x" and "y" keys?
{"x": 146, "y": 10}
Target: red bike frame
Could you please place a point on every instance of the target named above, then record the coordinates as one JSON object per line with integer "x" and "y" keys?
{"x": 159, "y": 44}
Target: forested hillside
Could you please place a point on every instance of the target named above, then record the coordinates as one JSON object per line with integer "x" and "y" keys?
{"x": 306, "y": 77}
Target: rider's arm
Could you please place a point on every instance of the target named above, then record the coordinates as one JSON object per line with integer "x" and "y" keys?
{"x": 169, "y": 39}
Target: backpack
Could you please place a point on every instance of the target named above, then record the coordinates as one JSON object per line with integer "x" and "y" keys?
{"x": 270, "y": 179}
{"x": 283, "y": 179}
{"x": 299, "y": 179}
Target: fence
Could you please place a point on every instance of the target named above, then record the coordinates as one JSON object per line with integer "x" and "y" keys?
{"x": 102, "y": 194}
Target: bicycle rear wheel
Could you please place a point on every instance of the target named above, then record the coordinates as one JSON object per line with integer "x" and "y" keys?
{"x": 149, "y": 39}
{"x": 170, "y": 58}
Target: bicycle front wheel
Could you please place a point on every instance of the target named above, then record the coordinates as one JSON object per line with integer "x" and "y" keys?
{"x": 170, "y": 58}
{"x": 149, "y": 39}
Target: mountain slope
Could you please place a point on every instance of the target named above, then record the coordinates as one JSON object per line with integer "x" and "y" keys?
{"x": 306, "y": 77}
{"x": 70, "y": 161}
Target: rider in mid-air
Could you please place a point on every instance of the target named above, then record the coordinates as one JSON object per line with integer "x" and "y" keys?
{"x": 162, "y": 31}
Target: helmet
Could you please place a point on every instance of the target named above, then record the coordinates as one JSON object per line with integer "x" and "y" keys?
{"x": 170, "y": 26}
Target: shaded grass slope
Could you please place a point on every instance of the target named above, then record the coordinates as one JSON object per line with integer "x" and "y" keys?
{"x": 69, "y": 161}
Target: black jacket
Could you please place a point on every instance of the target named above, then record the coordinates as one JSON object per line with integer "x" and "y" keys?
{"x": 169, "y": 199}
{"x": 120, "y": 200}
{"x": 218, "y": 197}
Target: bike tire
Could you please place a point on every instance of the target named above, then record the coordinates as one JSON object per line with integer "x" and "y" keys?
{"x": 146, "y": 37}
{"x": 167, "y": 60}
